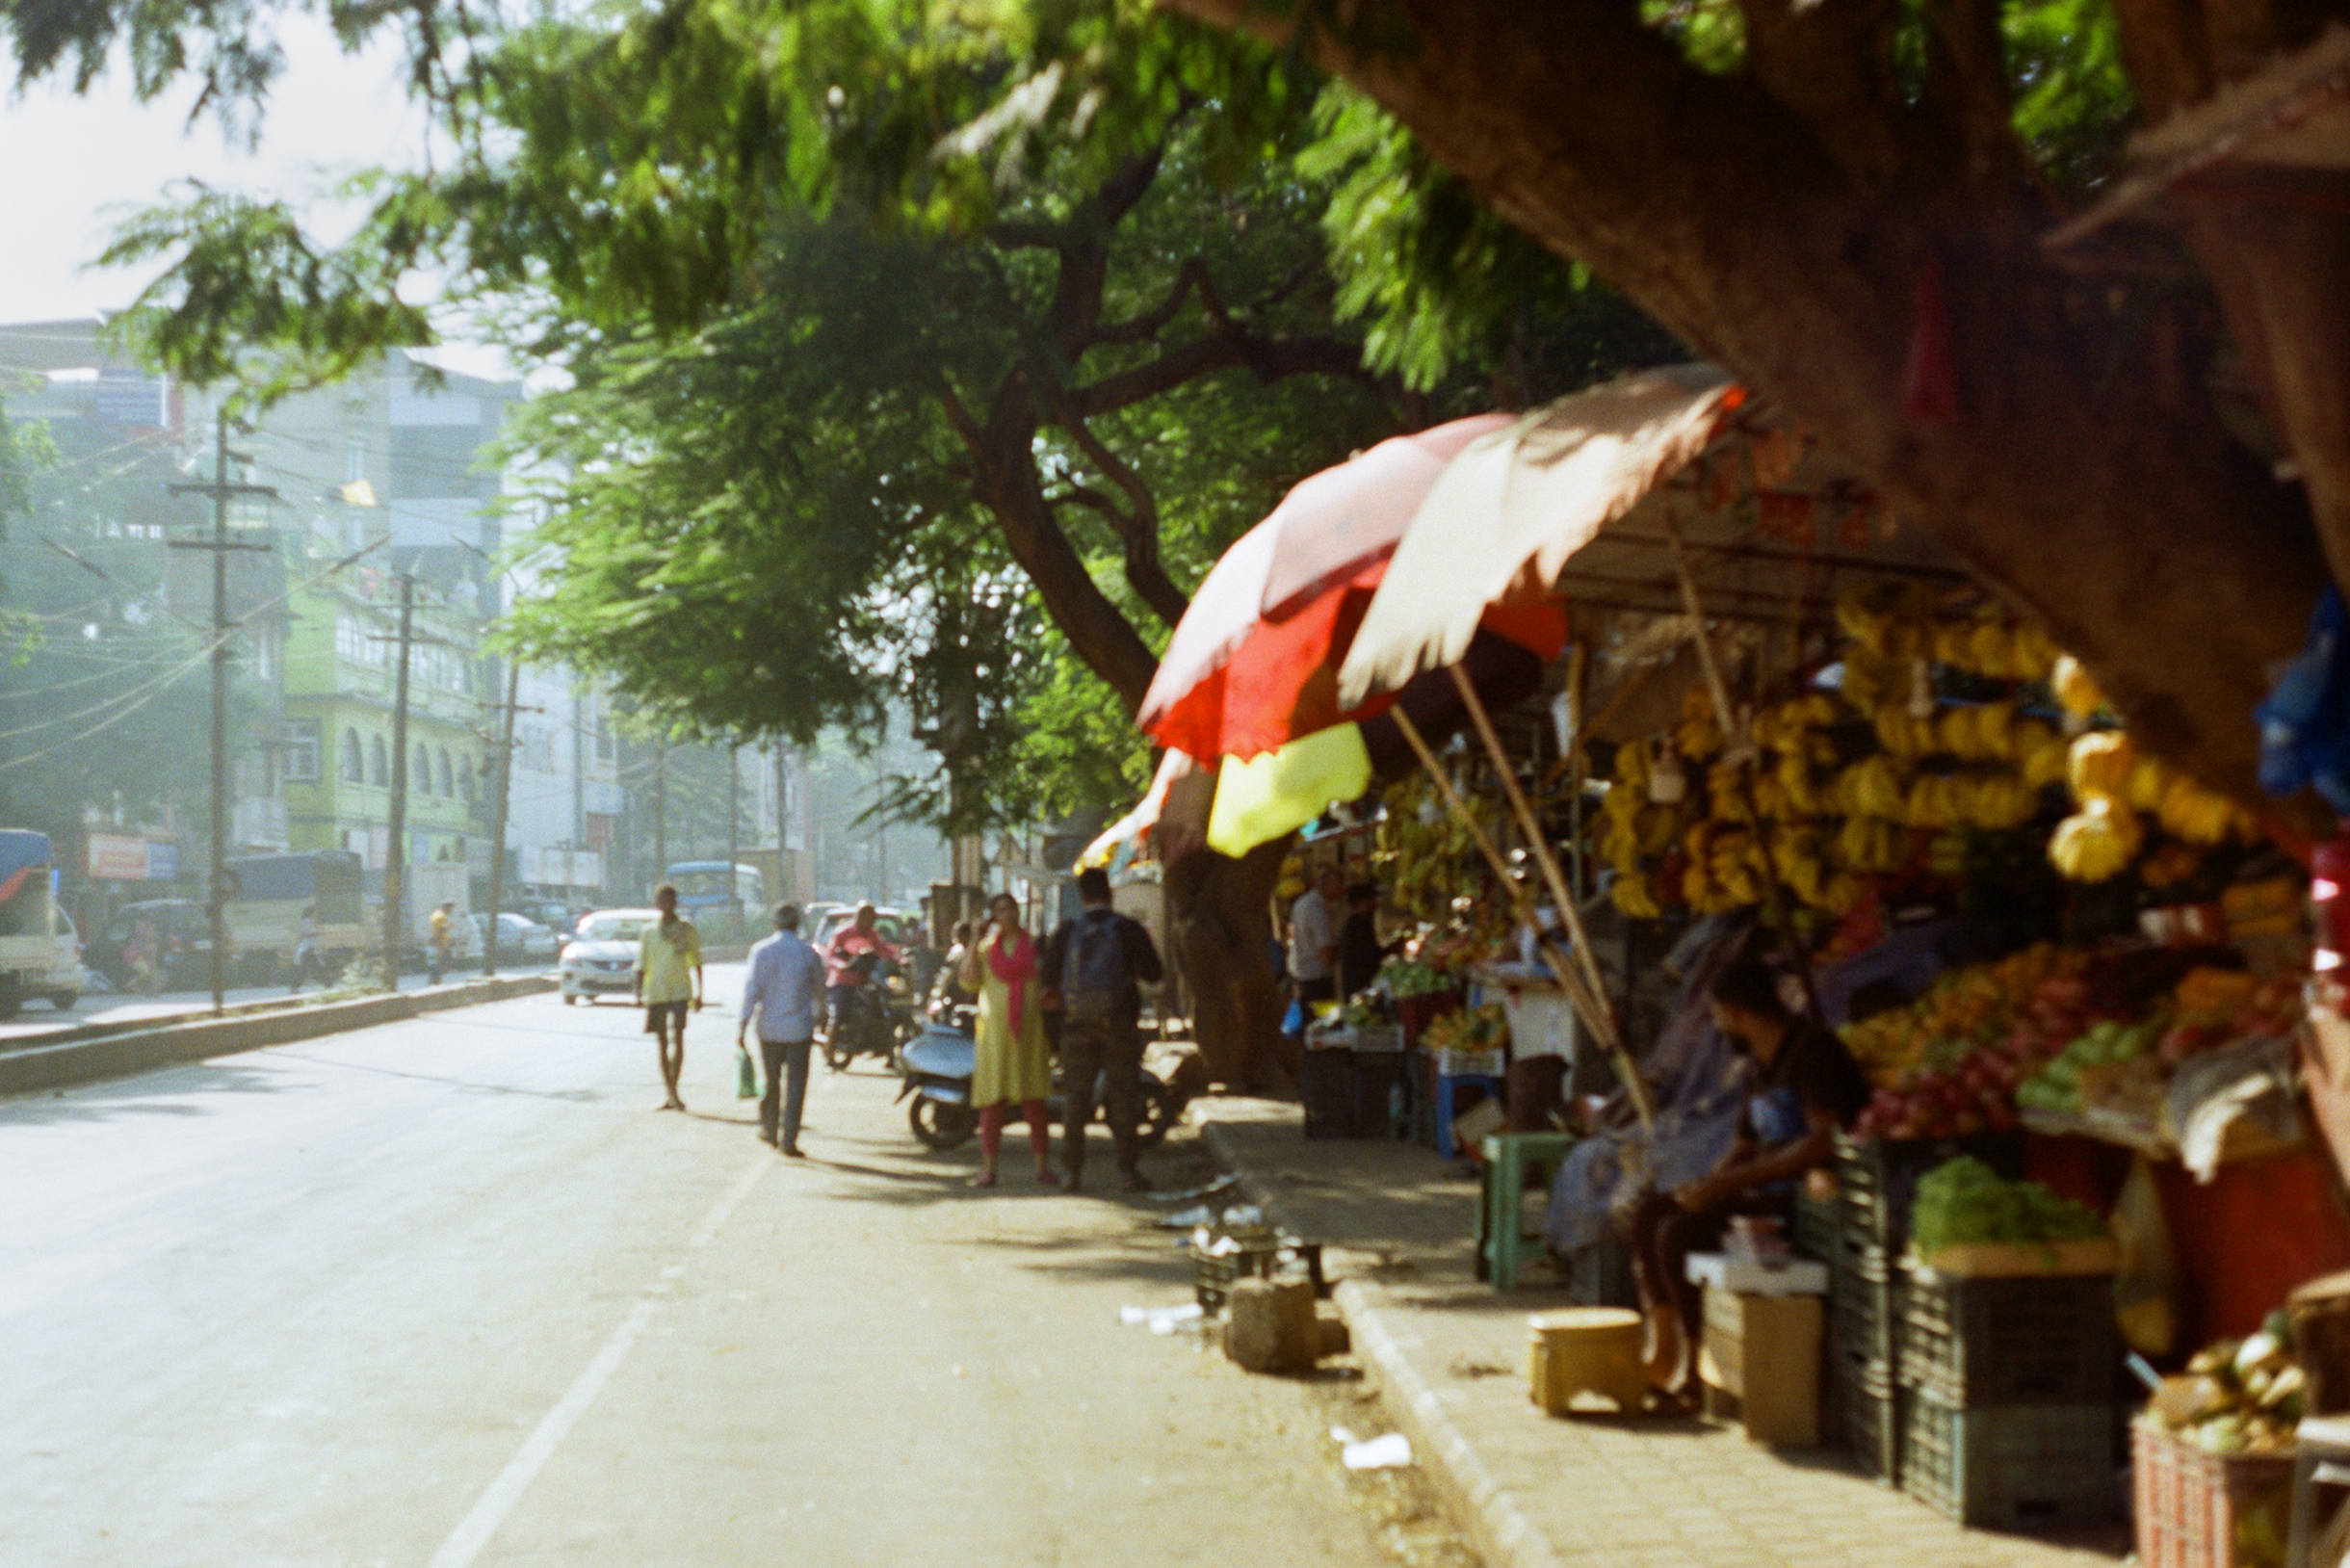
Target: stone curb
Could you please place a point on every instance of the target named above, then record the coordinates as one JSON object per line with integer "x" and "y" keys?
{"x": 1503, "y": 1535}
{"x": 117, "y": 1054}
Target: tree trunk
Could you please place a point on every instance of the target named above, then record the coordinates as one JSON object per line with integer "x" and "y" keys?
{"x": 2063, "y": 469}
{"x": 1219, "y": 923}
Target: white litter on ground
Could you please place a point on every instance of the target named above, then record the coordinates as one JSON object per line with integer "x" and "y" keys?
{"x": 1389, "y": 1452}
{"x": 1160, "y": 1320}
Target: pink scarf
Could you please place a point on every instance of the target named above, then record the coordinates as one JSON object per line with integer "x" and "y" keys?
{"x": 1015, "y": 969}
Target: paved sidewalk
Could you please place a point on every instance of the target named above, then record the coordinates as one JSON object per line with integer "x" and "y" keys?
{"x": 1594, "y": 1491}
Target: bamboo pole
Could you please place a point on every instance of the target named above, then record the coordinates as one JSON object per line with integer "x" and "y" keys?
{"x": 1569, "y": 976}
{"x": 1781, "y": 908}
{"x": 1538, "y": 845}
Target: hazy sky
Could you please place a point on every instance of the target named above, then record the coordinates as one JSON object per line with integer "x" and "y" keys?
{"x": 66, "y": 161}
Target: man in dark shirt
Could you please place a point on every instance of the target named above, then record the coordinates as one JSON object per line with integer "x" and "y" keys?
{"x": 1099, "y": 964}
{"x": 1805, "y": 1087}
{"x": 1359, "y": 951}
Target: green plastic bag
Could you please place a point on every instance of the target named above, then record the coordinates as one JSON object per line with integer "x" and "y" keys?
{"x": 746, "y": 1075}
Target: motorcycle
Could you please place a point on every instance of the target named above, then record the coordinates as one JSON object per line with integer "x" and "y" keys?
{"x": 937, "y": 1064}
{"x": 874, "y": 1018}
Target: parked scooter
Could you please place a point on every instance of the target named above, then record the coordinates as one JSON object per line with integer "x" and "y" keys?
{"x": 875, "y": 1017}
{"x": 938, "y": 1065}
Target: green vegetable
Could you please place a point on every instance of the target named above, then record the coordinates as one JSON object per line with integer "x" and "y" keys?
{"x": 1964, "y": 1201}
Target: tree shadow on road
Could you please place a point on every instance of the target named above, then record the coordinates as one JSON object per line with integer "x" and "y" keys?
{"x": 175, "y": 1091}
{"x": 464, "y": 1085}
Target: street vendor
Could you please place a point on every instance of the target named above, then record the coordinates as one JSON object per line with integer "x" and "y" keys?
{"x": 1803, "y": 1089}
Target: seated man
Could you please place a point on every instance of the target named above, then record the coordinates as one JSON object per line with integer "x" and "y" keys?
{"x": 1804, "y": 1088}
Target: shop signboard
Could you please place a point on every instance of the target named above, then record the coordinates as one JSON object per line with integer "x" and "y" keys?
{"x": 114, "y": 858}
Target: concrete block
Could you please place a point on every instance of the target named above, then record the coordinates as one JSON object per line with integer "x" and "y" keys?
{"x": 1270, "y": 1325}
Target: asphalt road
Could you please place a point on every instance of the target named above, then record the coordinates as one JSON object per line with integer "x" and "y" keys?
{"x": 453, "y": 1291}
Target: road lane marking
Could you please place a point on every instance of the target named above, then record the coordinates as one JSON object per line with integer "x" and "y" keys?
{"x": 473, "y": 1532}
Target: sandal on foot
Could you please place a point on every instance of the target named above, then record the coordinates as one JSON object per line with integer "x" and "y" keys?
{"x": 1665, "y": 1401}
{"x": 985, "y": 1178}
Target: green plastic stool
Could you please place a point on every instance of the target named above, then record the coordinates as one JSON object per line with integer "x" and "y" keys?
{"x": 1512, "y": 1161}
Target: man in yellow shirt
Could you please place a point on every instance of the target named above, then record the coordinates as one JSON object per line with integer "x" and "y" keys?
{"x": 670, "y": 972}
{"x": 437, "y": 940}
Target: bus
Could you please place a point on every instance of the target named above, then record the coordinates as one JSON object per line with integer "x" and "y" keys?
{"x": 718, "y": 904}
{"x": 266, "y": 895}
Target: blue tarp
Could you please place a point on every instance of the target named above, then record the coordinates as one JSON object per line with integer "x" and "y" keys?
{"x": 22, "y": 854}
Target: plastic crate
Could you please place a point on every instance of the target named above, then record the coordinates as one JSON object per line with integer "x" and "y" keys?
{"x": 2189, "y": 1504}
{"x": 1326, "y": 1089}
{"x": 2020, "y": 1467}
{"x": 1819, "y": 1227}
{"x": 1863, "y": 1416}
{"x": 1863, "y": 1308}
{"x": 2044, "y": 1339}
{"x": 1378, "y": 1076}
{"x": 1878, "y": 1179}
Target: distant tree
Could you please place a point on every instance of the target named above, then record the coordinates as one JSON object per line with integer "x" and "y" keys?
{"x": 104, "y": 686}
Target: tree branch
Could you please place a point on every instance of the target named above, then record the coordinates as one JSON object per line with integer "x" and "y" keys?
{"x": 1136, "y": 525}
{"x": 1268, "y": 359}
{"x": 1150, "y": 323}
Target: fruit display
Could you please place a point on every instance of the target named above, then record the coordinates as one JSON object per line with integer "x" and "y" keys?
{"x": 1404, "y": 978}
{"x": 2114, "y": 790}
{"x": 1964, "y": 1014}
{"x": 2059, "y": 1084}
{"x": 2236, "y": 1396}
{"x": 1484, "y": 1028}
{"x": 1963, "y": 1202}
{"x": 1929, "y": 739}
{"x": 2047, "y": 1029}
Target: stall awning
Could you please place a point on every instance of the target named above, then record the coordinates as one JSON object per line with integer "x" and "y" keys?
{"x": 2292, "y": 117}
{"x": 1522, "y": 501}
{"x": 1576, "y": 498}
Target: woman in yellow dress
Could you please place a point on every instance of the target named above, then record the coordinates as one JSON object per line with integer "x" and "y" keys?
{"x": 1012, "y": 1064}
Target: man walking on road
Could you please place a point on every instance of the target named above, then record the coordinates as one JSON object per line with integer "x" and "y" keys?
{"x": 436, "y": 941}
{"x": 670, "y": 970}
{"x": 1100, "y": 960}
{"x": 785, "y": 978}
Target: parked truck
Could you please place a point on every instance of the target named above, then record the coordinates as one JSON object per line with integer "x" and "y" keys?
{"x": 266, "y": 896}
{"x": 35, "y": 946}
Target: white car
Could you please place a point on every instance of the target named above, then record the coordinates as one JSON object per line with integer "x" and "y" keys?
{"x": 601, "y": 961}
{"x": 521, "y": 939}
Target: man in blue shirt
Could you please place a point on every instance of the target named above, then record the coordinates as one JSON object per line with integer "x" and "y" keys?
{"x": 785, "y": 982}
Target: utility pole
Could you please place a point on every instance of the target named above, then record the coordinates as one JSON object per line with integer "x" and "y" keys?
{"x": 734, "y": 848}
{"x": 219, "y": 489}
{"x": 395, "y": 862}
{"x": 661, "y": 812}
{"x": 505, "y": 793}
{"x": 786, "y": 873}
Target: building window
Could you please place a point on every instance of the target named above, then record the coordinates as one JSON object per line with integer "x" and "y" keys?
{"x": 464, "y": 779}
{"x": 448, "y": 779}
{"x": 424, "y": 770}
{"x": 354, "y": 771}
{"x": 379, "y": 762}
{"x": 301, "y": 751}
{"x": 603, "y": 737}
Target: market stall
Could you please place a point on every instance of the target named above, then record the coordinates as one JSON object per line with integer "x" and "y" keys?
{"x": 1780, "y": 723}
